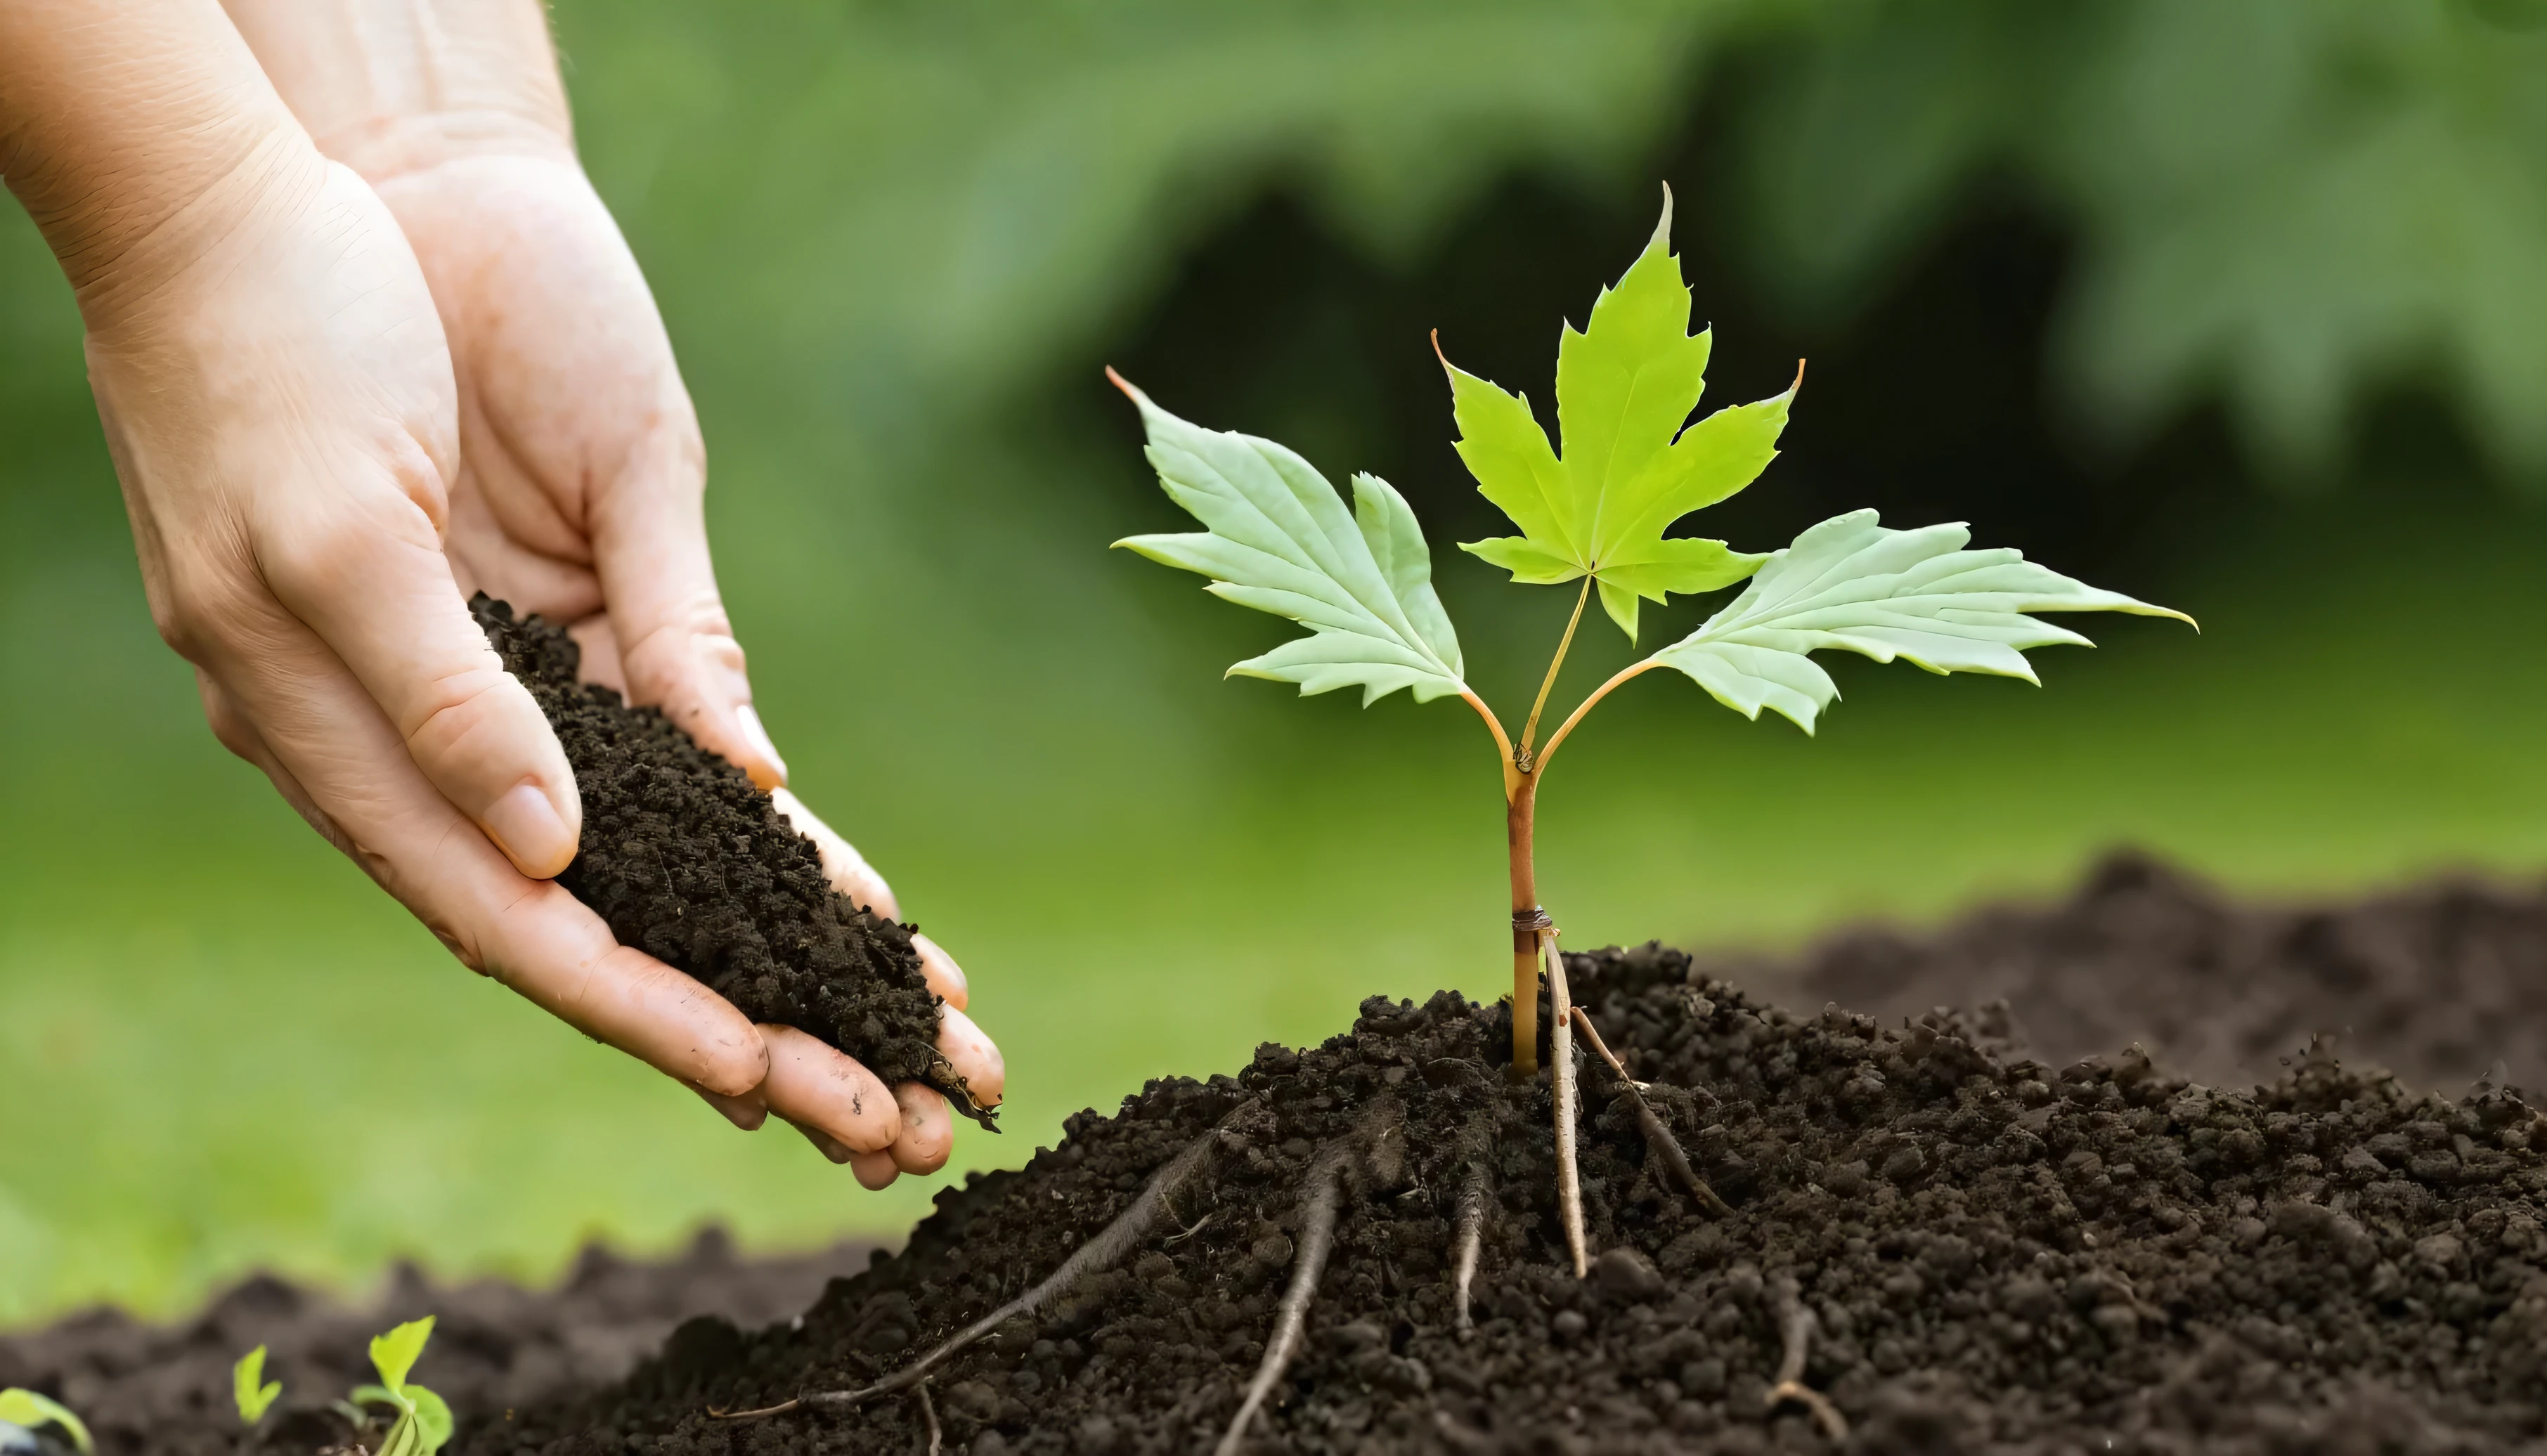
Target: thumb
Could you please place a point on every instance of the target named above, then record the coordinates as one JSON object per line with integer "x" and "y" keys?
{"x": 369, "y": 577}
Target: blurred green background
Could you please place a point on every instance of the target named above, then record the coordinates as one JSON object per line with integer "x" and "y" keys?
{"x": 2237, "y": 304}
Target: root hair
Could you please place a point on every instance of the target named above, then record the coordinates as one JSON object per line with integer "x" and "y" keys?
{"x": 1659, "y": 1141}
{"x": 1796, "y": 1327}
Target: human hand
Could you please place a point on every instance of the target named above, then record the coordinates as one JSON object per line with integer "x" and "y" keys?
{"x": 578, "y": 497}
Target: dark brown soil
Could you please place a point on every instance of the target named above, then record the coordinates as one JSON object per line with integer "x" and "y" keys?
{"x": 1981, "y": 1253}
{"x": 686, "y": 860}
{"x": 2437, "y": 984}
{"x": 496, "y": 1346}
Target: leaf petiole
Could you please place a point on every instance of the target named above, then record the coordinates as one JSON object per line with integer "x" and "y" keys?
{"x": 1602, "y": 691}
{"x": 1530, "y": 730}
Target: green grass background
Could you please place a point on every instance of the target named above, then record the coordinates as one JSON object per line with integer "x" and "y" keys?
{"x": 220, "y": 1049}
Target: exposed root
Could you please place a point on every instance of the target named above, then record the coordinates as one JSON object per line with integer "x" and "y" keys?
{"x": 1472, "y": 1226}
{"x": 1561, "y": 1048}
{"x": 1103, "y": 1252}
{"x": 1796, "y": 1327}
{"x": 1317, "y": 1237}
{"x": 928, "y": 1411}
{"x": 1658, "y": 1139}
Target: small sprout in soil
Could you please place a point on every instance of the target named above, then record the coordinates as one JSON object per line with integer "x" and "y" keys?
{"x": 249, "y": 1387}
{"x": 1281, "y": 540}
{"x": 423, "y": 1420}
{"x": 22, "y": 1413}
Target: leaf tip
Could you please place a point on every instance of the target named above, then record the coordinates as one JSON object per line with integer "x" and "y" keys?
{"x": 1127, "y": 385}
{"x": 1663, "y": 228}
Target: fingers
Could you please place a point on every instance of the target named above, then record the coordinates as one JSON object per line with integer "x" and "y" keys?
{"x": 875, "y": 1171}
{"x": 368, "y": 576}
{"x": 817, "y": 1088}
{"x": 848, "y": 870}
{"x": 946, "y": 977}
{"x": 584, "y": 436}
{"x": 974, "y": 1057}
{"x": 928, "y": 1129}
{"x": 745, "y": 1112}
{"x": 852, "y": 876}
{"x": 335, "y": 752}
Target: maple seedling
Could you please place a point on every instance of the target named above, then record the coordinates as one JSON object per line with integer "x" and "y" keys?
{"x": 1280, "y": 539}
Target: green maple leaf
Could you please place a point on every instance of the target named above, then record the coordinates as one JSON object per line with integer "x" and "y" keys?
{"x": 1625, "y": 383}
{"x": 1281, "y": 540}
{"x": 1850, "y": 583}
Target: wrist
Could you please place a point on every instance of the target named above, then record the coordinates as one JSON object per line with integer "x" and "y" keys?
{"x": 217, "y": 232}
{"x": 392, "y": 87}
{"x": 132, "y": 129}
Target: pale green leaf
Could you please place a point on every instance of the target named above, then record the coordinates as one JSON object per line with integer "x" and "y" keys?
{"x": 1852, "y": 584}
{"x": 378, "y": 1394}
{"x": 1280, "y": 540}
{"x": 395, "y": 1355}
{"x": 27, "y": 1410}
{"x": 1626, "y": 386}
{"x": 252, "y": 1396}
{"x": 1528, "y": 563}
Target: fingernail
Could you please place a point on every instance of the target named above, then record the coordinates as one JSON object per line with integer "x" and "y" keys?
{"x": 746, "y": 721}
{"x": 530, "y": 830}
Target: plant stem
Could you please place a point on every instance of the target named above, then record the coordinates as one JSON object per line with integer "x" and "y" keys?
{"x": 1530, "y": 730}
{"x": 1519, "y": 814}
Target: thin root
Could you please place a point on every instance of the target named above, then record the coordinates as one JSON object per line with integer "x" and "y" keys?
{"x": 1472, "y": 1230}
{"x": 928, "y": 1411}
{"x": 1103, "y": 1252}
{"x": 1560, "y": 1048}
{"x": 1317, "y": 1236}
{"x": 1796, "y": 1327}
{"x": 1658, "y": 1139}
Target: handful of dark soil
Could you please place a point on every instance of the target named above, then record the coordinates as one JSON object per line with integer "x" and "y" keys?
{"x": 1932, "y": 1241}
{"x": 685, "y": 860}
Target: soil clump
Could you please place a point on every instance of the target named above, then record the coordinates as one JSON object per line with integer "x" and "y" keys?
{"x": 685, "y": 860}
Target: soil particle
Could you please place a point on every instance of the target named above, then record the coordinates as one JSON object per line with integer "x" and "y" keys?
{"x": 685, "y": 860}
{"x": 2101, "y": 1257}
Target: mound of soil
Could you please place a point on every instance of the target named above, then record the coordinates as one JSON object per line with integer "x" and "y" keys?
{"x": 686, "y": 860}
{"x": 495, "y": 1347}
{"x": 2442, "y": 983}
{"x": 1966, "y": 1250}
